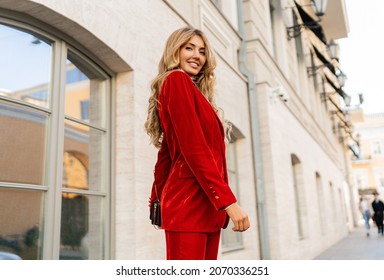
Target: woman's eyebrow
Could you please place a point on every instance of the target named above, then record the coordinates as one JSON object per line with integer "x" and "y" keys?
{"x": 203, "y": 47}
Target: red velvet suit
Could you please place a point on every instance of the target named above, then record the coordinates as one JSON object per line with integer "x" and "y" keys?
{"x": 190, "y": 173}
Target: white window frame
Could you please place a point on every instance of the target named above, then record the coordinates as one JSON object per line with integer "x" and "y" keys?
{"x": 52, "y": 185}
{"x": 377, "y": 147}
{"x": 238, "y": 245}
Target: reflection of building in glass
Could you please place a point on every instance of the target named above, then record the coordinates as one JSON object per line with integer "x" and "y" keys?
{"x": 21, "y": 162}
{"x": 23, "y": 142}
{"x": 20, "y": 218}
{"x": 16, "y": 120}
{"x": 74, "y": 221}
{"x": 75, "y": 173}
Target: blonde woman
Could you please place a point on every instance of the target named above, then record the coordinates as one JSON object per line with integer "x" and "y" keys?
{"x": 190, "y": 177}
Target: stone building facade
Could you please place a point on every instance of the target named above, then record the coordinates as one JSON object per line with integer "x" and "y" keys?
{"x": 73, "y": 103}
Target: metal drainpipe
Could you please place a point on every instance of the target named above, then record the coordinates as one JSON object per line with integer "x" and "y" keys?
{"x": 256, "y": 146}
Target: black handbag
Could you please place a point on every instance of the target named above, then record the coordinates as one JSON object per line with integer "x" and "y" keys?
{"x": 155, "y": 212}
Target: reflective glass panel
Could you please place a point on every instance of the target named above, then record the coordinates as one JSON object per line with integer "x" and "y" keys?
{"x": 82, "y": 235}
{"x": 230, "y": 239}
{"x": 25, "y": 66}
{"x": 20, "y": 227}
{"x": 84, "y": 157}
{"x": 22, "y": 144}
{"x": 85, "y": 92}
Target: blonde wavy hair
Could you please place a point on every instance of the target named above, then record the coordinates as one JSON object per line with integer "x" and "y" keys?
{"x": 170, "y": 61}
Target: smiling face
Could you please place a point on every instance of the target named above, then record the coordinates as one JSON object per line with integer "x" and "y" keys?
{"x": 192, "y": 56}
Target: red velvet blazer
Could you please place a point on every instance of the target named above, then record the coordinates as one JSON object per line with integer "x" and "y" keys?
{"x": 191, "y": 172}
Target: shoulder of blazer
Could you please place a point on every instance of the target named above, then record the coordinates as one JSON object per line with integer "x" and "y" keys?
{"x": 177, "y": 79}
{"x": 178, "y": 74}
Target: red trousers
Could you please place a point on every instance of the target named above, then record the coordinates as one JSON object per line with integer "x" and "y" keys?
{"x": 192, "y": 245}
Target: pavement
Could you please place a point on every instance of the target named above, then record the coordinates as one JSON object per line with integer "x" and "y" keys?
{"x": 356, "y": 246}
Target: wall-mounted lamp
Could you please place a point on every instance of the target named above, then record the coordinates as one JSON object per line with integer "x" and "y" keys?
{"x": 325, "y": 61}
{"x": 339, "y": 90}
{"x": 358, "y": 138}
{"x": 347, "y": 100}
{"x": 341, "y": 79}
{"x": 319, "y": 7}
{"x": 333, "y": 49}
{"x": 361, "y": 98}
{"x": 355, "y": 149}
{"x": 344, "y": 129}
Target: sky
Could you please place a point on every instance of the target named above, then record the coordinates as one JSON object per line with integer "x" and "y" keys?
{"x": 362, "y": 54}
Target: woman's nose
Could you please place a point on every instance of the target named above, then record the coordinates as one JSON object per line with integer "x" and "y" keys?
{"x": 196, "y": 54}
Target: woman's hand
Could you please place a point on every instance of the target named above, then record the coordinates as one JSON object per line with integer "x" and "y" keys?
{"x": 239, "y": 217}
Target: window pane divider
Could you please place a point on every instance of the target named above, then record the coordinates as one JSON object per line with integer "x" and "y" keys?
{"x": 51, "y": 241}
{"x": 26, "y": 104}
{"x": 85, "y": 123}
{"x": 84, "y": 192}
{"x": 23, "y": 186}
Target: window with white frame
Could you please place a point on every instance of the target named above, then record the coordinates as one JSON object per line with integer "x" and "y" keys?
{"x": 54, "y": 157}
{"x": 273, "y": 15}
{"x": 321, "y": 203}
{"x": 332, "y": 201}
{"x": 379, "y": 175}
{"x": 377, "y": 148}
{"x": 299, "y": 196}
{"x": 232, "y": 240}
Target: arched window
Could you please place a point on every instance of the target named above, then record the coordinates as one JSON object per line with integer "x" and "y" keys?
{"x": 332, "y": 201}
{"x": 54, "y": 157}
{"x": 299, "y": 195}
{"x": 321, "y": 204}
{"x": 232, "y": 240}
